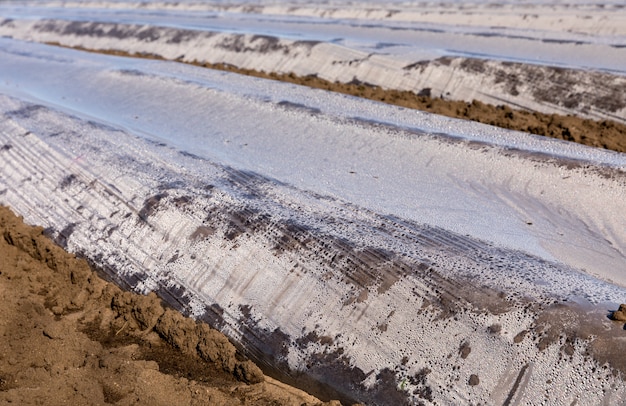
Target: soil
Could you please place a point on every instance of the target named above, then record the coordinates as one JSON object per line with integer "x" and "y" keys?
{"x": 606, "y": 134}
{"x": 69, "y": 337}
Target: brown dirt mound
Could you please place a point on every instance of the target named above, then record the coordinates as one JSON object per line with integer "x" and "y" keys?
{"x": 69, "y": 337}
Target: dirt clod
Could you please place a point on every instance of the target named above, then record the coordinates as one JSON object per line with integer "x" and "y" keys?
{"x": 473, "y": 380}
{"x": 465, "y": 349}
{"x": 619, "y": 314}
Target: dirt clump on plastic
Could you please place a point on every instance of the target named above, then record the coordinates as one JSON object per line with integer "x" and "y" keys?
{"x": 69, "y": 337}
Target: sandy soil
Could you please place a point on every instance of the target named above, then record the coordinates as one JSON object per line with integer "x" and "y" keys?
{"x": 69, "y": 337}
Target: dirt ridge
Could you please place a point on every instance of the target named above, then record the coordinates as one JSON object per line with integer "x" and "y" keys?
{"x": 68, "y": 336}
{"x": 607, "y": 134}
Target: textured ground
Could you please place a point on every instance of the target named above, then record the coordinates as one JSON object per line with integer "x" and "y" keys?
{"x": 69, "y": 337}
{"x": 355, "y": 249}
